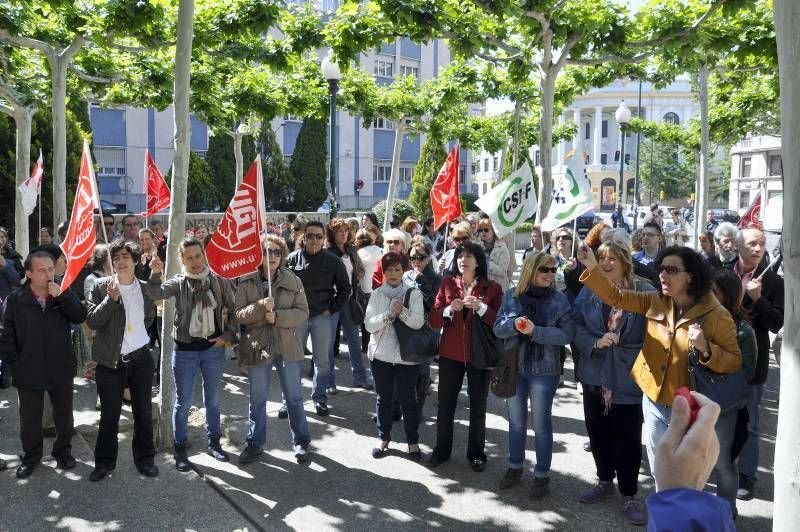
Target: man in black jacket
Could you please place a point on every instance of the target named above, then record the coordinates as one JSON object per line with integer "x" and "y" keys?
{"x": 36, "y": 344}
{"x": 763, "y": 299}
{"x": 327, "y": 290}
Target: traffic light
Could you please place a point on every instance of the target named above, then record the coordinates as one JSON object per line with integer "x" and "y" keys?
{"x": 661, "y": 195}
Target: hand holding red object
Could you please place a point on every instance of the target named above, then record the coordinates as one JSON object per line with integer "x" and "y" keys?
{"x": 693, "y": 406}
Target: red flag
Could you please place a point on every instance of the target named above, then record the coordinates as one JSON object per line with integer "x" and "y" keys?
{"x": 445, "y": 200}
{"x": 235, "y": 248}
{"x": 750, "y": 217}
{"x": 79, "y": 242}
{"x": 158, "y": 197}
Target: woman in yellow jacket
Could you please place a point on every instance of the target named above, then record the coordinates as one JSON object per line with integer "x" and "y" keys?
{"x": 681, "y": 315}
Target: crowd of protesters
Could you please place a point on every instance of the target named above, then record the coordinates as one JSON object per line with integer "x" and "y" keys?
{"x": 629, "y": 309}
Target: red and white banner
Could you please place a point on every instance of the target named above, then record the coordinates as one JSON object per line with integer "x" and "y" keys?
{"x": 80, "y": 240}
{"x": 445, "y": 199}
{"x": 235, "y": 247}
{"x": 32, "y": 187}
{"x": 750, "y": 217}
{"x": 156, "y": 189}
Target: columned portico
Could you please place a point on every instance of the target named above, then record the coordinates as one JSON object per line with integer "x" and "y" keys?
{"x": 597, "y": 135}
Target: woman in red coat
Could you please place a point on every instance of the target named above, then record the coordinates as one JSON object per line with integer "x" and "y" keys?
{"x": 465, "y": 295}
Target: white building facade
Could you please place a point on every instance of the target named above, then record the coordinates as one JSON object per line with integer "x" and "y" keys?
{"x": 756, "y": 166}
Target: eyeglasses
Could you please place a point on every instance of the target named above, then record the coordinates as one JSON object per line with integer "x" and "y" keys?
{"x": 314, "y": 236}
{"x": 669, "y": 270}
{"x": 545, "y": 269}
{"x": 459, "y": 238}
{"x": 272, "y": 253}
{"x": 564, "y": 237}
{"x": 418, "y": 257}
{"x": 392, "y": 242}
{"x": 484, "y": 230}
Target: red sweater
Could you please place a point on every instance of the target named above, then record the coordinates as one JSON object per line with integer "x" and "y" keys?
{"x": 455, "y": 342}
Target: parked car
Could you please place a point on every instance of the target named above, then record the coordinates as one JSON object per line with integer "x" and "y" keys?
{"x": 584, "y": 223}
{"x": 726, "y": 215}
{"x": 110, "y": 208}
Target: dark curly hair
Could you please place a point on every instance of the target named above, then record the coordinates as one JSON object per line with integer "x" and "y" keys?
{"x": 696, "y": 267}
{"x": 121, "y": 244}
{"x": 476, "y": 251}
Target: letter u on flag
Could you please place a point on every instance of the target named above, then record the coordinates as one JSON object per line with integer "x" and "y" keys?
{"x": 235, "y": 248}
{"x": 158, "y": 197}
{"x": 32, "y": 186}
{"x": 445, "y": 199}
{"x": 510, "y": 202}
{"x": 80, "y": 239}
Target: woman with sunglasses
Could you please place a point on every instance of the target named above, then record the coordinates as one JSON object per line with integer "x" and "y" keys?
{"x": 539, "y": 316}
{"x": 269, "y": 338}
{"x": 464, "y": 297}
{"x": 562, "y": 251}
{"x": 394, "y": 241}
{"x": 681, "y": 316}
{"x": 608, "y": 340}
{"x": 496, "y": 253}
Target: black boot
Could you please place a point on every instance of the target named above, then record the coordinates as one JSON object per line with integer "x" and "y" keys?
{"x": 182, "y": 463}
{"x": 215, "y": 450}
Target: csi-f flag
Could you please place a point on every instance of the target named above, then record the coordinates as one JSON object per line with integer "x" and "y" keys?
{"x": 510, "y": 202}
{"x": 572, "y": 195}
{"x": 31, "y": 187}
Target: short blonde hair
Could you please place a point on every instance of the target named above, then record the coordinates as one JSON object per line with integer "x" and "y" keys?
{"x": 397, "y": 234}
{"x": 533, "y": 261}
{"x": 281, "y": 243}
{"x": 487, "y": 223}
{"x": 463, "y": 227}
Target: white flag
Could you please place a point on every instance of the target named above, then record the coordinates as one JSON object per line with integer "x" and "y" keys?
{"x": 572, "y": 196}
{"x": 31, "y": 187}
{"x": 510, "y": 202}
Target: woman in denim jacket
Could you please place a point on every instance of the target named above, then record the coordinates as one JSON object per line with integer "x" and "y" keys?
{"x": 609, "y": 340}
{"x": 541, "y": 317}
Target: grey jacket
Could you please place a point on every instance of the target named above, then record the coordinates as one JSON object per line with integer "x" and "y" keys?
{"x": 107, "y": 317}
{"x": 178, "y": 287}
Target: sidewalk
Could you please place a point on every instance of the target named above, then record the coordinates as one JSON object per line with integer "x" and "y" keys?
{"x": 342, "y": 488}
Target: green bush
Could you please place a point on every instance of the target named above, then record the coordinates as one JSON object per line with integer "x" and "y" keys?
{"x": 400, "y": 207}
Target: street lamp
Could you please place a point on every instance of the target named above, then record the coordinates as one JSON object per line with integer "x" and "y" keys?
{"x": 332, "y": 73}
{"x": 623, "y": 116}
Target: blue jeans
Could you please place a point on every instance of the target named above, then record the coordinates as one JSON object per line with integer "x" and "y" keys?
{"x": 540, "y": 389}
{"x": 725, "y": 469}
{"x": 184, "y": 369}
{"x": 349, "y": 329}
{"x": 656, "y": 422}
{"x": 289, "y": 377}
{"x": 748, "y": 458}
{"x": 321, "y": 329}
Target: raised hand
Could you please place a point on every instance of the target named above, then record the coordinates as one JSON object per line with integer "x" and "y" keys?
{"x": 112, "y": 289}
{"x": 54, "y": 289}
{"x": 586, "y": 256}
{"x": 156, "y": 266}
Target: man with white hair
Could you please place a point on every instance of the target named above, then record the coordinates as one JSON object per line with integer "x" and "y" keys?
{"x": 727, "y": 250}
{"x": 763, "y": 300}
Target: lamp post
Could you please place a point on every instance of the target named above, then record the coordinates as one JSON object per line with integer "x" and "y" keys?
{"x": 623, "y": 116}
{"x": 332, "y": 73}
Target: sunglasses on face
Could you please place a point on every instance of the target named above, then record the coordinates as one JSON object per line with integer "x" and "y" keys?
{"x": 392, "y": 242}
{"x": 669, "y": 270}
{"x": 313, "y": 236}
{"x": 564, "y": 237}
{"x": 459, "y": 238}
{"x": 485, "y": 230}
{"x": 545, "y": 269}
{"x": 419, "y": 257}
{"x": 272, "y": 253}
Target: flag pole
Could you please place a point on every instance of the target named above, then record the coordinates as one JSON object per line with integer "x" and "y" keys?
{"x": 145, "y": 178}
{"x": 574, "y": 235}
{"x": 96, "y": 193}
{"x": 262, "y": 211}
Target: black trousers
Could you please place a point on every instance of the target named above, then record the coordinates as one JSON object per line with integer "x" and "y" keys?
{"x": 31, "y": 405}
{"x": 451, "y": 377}
{"x": 399, "y": 379}
{"x": 616, "y": 440}
{"x": 137, "y": 375}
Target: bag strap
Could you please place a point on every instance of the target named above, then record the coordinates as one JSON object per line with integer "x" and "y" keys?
{"x": 407, "y": 298}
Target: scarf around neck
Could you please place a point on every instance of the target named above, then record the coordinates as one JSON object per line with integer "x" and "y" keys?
{"x": 202, "y": 303}
{"x": 534, "y": 302}
{"x": 393, "y": 292}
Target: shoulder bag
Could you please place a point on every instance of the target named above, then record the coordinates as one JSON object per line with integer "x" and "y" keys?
{"x": 416, "y": 345}
{"x": 485, "y": 346}
{"x": 504, "y": 375}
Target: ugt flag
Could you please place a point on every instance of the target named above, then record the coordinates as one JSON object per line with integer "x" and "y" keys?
{"x": 31, "y": 187}
{"x": 79, "y": 242}
{"x": 156, "y": 188}
{"x": 750, "y": 217}
{"x": 445, "y": 199}
{"x": 510, "y": 202}
{"x": 571, "y": 197}
{"x": 235, "y": 248}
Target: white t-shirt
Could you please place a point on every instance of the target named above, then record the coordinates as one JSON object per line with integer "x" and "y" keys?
{"x": 135, "y": 335}
{"x": 348, "y": 265}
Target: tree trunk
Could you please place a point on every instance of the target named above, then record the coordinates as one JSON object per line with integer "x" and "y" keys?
{"x": 23, "y": 117}
{"x": 548, "y": 89}
{"x": 59, "y": 90}
{"x": 702, "y": 182}
{"x": 399, "y": 133}
{"x": 787, "y": 442}
{"x": 177, "y": 214}
{"x": 237, "y": 154}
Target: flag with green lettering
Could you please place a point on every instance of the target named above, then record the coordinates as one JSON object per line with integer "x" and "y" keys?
{"x": 572, "y": 195}
{"x": 510, "y": 202}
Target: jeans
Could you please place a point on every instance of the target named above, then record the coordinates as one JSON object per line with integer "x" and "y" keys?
{"x": 656, "y": 422}
{"x": 137, "y": 375}
{"x": 185, "y": 364}
{"x": 540, "y": 389}
{"x": 748, "y": 458}
{"x": 289, "y": 377}
{"x": 401, "y": 378}
{"x": 349, "y": 329}
{"x": 451, "y": 377}
{"x": 31, "y": 405}
{"x": 725, "y": 469}
{"x": 616, "y": 440}
{"x": 321, "y": 329}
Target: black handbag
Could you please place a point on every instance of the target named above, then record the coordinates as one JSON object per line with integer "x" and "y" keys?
{"x": 504, "y": 375}
{"x": 486, "y": 347}
{"x": 417, "y": 346}
{"x": 358, "y": 305}
{"x": 728, "y": 390}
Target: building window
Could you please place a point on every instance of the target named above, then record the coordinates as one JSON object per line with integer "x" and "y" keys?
{"x": 292, "y": 118}
{"x": 381, "y": 171}
{"x": 383, "y": 123}
{"x": 474, "y": 168}
{"x": 536, "y": 159}
{"x": 744, "y": 199}
{"x": 485, "y": 188}
{"x": 775, "y": 165}
{"x": 462, "y": 174}
{"x": 672, "y": 118}
{"x": 409, "y": 71}
{"x": 406, "y": 173}
{"x": 110, "y": 161}
{"x": 384, "y": 69}
{"x": 745, "y": 167}
{"x": 604, "y": 127}
{"x": 494, "y": 164}
{"x": 627, "y": 158}
{"x": 587, "y": 129}
{"x": 603, "y": 158}
{"x": 486, "y": 165}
